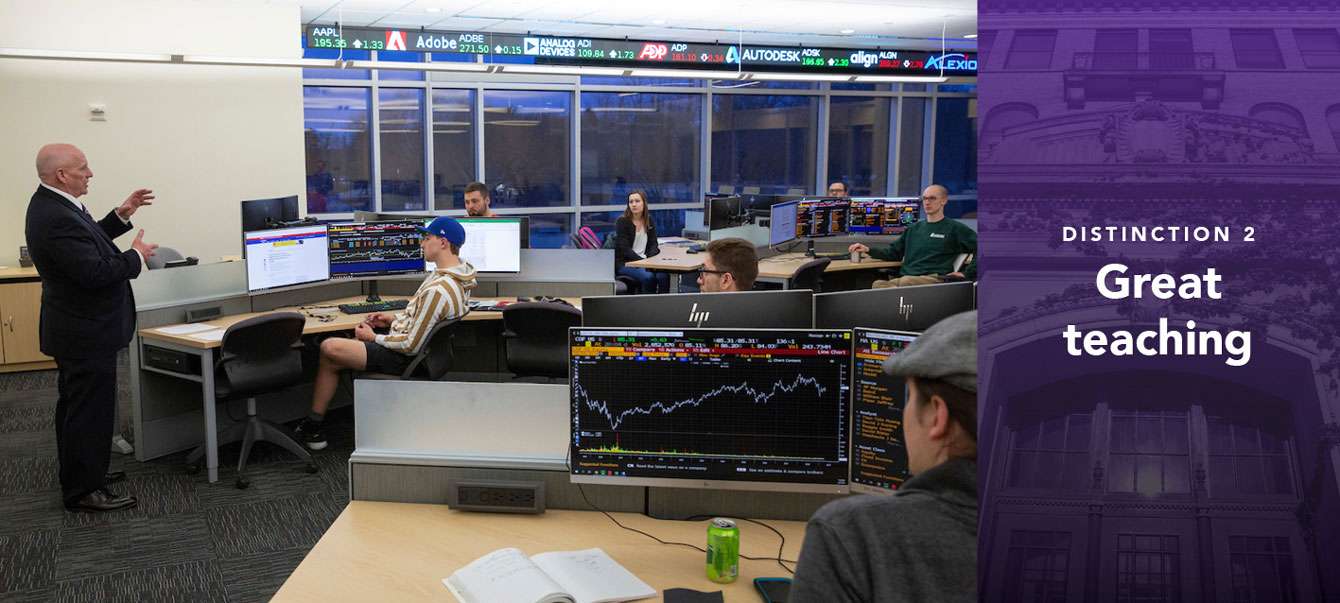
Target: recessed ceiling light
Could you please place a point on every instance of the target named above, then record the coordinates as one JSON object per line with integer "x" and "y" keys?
{"x": 848, "y": 31}
{"x": 658, "y": 22}
{"x": 433, "y": 9}
{"x": 970, "y": 37}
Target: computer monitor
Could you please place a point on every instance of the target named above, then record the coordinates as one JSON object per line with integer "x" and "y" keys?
{"x": 260, "y": 214}
{"x": 790, "y": 309}
{"x": 899, "y": 214}
{"x": 822, "y": 217}
{"x": 724, "y": 212}
{"x": 878, "y": 452}
{"x": 883, "y": 216}
{"x": 782, "y": 224}
{"x": 896, "y": 308}
{"x": 370, "y": 249}
{"x": 493, "y": 244}
{"x": 710, "y": 408}
{"x": 281, "y": 257}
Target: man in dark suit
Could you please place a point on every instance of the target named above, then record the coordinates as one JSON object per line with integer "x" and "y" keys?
{"x": 88, "y": 315}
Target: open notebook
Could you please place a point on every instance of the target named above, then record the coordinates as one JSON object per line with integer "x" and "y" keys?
{"x": 508, "y": 576}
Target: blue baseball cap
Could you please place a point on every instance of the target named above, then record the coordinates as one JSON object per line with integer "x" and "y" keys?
{"x": 447, "y": 228}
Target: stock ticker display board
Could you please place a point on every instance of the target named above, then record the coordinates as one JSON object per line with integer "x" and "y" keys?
{"x": 555, "y": 50}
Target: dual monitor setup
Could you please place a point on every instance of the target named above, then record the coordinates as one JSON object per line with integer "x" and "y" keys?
{"x": 284, "y": 253}
{"x": 809, "y": 219}
{"x": 791, "y": 399}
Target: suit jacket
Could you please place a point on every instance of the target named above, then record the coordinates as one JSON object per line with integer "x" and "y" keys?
{"x": 88, "y": 308}
{"x": 624, "y": 231}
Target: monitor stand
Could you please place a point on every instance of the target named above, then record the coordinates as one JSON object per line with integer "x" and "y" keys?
{"x": 372, "y": 292}
{"x": 809, "y": 248}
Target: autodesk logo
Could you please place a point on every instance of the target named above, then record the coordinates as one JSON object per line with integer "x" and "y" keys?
{"x": 951, "y": 62}
{"x": 904, "y": 310}
{"x": 732, "y": 55}
{"x": 697, "y": 317}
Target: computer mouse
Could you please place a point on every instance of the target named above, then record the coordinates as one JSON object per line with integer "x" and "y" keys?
{"x": 523, "y": 299}
{"x": 692, "y": 251}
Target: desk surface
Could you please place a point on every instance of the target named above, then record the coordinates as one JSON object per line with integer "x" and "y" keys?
{"x": 785, "y": 265}
{"x": 401, "y": 552}
{"x": 342, "y": 321}
{"x": 17, "y": 272}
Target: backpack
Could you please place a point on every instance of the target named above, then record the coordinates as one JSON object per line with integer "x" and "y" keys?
{"x": 588, "y": 238}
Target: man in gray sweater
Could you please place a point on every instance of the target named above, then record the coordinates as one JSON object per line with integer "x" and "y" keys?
{"x": 921, "y": 543}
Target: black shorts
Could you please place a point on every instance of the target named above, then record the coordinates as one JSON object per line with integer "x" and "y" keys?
{"x": 382, "y": 360}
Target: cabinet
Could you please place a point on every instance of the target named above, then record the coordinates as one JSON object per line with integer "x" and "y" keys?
{"x": 20, "y": 312}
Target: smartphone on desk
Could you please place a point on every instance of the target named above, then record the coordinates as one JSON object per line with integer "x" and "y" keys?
{"x": 774, "y": 590}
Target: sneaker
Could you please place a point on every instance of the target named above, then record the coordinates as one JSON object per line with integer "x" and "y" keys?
{"x": 309, "y": 433}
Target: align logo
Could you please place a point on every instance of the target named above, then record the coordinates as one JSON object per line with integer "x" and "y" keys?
{"x": 653, "y": 52}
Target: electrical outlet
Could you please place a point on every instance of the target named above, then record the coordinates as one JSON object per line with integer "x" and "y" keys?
{"x": 497, "y": 496}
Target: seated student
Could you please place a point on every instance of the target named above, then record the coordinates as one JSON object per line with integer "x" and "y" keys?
{"x": 635, "y": 239}
{"x": 477, "y": 201}
{"x": 444, "y": 294}
{"x": 920, "y": 544}
{"x": 928, "y": 248}
{"x": 731, "y": 265}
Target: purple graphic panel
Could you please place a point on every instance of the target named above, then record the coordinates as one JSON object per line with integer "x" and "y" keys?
{"x": 1147, "y": 437}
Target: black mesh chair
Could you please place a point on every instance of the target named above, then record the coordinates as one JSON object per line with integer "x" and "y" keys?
{"x": 259, "y": 355}
{"x": 434, "y": 358}
{"x": 536, "y": 336}
{"x": 810, "y": 275}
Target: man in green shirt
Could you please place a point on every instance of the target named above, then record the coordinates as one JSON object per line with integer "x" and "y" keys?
{"x": 928, "y": 248}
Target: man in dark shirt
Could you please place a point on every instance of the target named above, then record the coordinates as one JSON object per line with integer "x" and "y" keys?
{"x": 920, "y": 544}
{"x": 928, "y": 248}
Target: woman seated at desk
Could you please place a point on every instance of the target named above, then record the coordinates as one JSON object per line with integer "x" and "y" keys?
{"x": 635, "y": 239}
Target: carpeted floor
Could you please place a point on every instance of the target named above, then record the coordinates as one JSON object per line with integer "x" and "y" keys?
{"x": 187, "y": 540}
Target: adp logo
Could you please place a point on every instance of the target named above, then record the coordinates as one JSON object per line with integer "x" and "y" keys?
{"x": 653, "y": 52}
{"x": 395, "y": 40}
{"x": 951, "y": 62}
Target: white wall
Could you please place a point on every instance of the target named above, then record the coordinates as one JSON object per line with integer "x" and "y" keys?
{"x": 203, "y": 138}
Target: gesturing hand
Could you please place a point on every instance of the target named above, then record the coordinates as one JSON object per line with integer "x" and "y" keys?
{"x": 146, "y": 249}
{"x": 133, "y": 203}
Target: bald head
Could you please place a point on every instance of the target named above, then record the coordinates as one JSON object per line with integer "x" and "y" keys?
{"x": 933, "y": 199}
{"x": 64, "y": 167}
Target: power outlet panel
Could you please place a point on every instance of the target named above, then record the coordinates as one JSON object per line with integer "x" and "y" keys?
{"x": 497, "y": 496}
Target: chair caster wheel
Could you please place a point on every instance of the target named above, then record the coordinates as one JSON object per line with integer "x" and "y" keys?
{"x": 193, "y": 468}
{"x": 310, "y": 468}
{"x": 243, "y": 482}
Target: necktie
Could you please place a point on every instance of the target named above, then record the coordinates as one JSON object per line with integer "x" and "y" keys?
{"x": 86, "y": 212}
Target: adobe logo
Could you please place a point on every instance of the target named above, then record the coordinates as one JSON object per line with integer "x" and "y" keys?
{"x": 653, "y": 52}
{"x": 395, "y": 40}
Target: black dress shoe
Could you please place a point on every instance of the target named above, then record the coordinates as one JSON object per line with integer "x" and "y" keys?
{"x": 101, "y": 500}
{"x": 113, "y": 477}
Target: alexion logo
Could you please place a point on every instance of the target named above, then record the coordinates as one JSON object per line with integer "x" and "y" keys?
{"x": 951, "y": 62}
{"x": 653, "y": 52}
{"x": 395, "y": 40}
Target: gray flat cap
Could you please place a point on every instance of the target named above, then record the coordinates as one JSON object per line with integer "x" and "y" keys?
{"x": 946, "y": 351}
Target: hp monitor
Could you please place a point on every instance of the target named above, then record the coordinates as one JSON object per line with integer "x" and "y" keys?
{"x": 878, "y": 452}
{"x": 368, "y": 249}
{"x": 281, "y": 257}
{"x": 709, "y": 408}
{"x": 782, "y": 224}
{"x": 792, "y": 309}
{"x": 896, "y": 308}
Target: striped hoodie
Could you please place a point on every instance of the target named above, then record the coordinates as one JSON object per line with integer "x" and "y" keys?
{"x": 444, "y": 295}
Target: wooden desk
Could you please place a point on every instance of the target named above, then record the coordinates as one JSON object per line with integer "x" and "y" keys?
{"x": 195, "y": 345}
{"x": 401, "y": 552}
{"x": 20, "y": 313}
{"x": 780, "y": 268}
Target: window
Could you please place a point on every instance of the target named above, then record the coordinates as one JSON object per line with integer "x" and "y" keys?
{"x": 1320, "y": 47}
{"x": 332, "y": 54}
{"x": 640, "y": 141}
{"x": 401, "y": 122}
{"x": 1149, "y": 569}
{"x": 911, "y": 146}
{"x": 1115, "y": 49}
{"x": 1262, "y": 569}
{"x": 1333, "y": 121}
{"x": 400, "y": 56}
{"x": 1279, "y": 113}
{"x": 1246, "y": 460}
{"x": 549, "y": 231}
{"x": 1052, "y": 454}
{"x": 526, "y": 148}
{"x": 858, "y": 143}
{"x": 763, "y": 143}
{"x": 1037, "y": 566}
{"x": 1031, "y": 49}
{"x": 1149, "y": 452}
{"x": 1171, "y": 49}
{"x": 955, "y": 146}
{"x": 1256, "y": 49}
{"x": 339, "y": 149}
{"x": 984, "y": 41}
{"x": 453, "y": 146}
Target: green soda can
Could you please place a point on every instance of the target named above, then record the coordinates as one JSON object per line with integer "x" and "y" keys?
{"x": 723, "y": 550}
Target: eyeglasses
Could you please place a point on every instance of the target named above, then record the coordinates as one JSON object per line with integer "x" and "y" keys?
{"x": 929, "y": 198}
{"x": 706, "y": 271}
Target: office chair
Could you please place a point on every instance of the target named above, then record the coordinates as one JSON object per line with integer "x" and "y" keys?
{"x": 259, "y": 355}
{"x": 434, "y": 358}
{"x": 536, "y": 338}
{"x": 623, "y": 284}
{"x": 811, "y": 275}
{"x": 959, "y": 261}
{"x": 161, "y": 257}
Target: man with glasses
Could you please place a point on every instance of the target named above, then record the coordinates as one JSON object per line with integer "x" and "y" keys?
{"x": 837, "y": 189}
{"x": 731, "y": 265}
{"x": 928, "y": 248}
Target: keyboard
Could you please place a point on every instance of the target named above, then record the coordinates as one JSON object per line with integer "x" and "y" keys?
{"x": 381, "y": 306}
